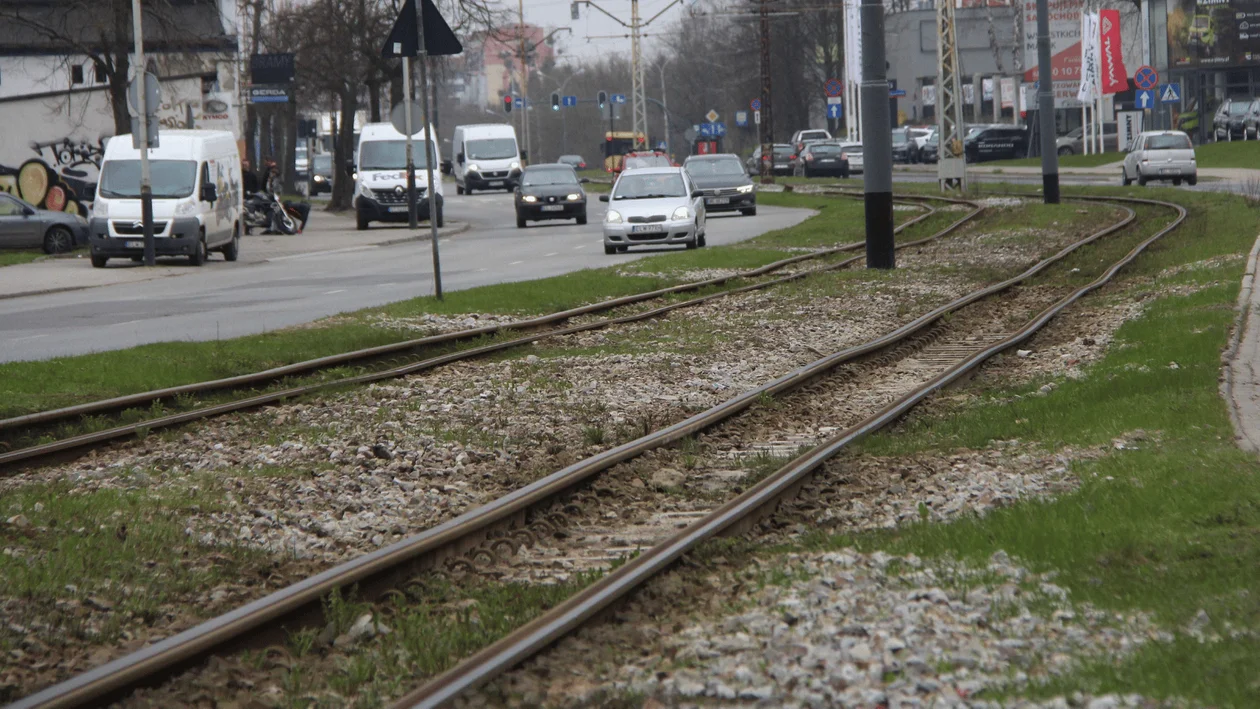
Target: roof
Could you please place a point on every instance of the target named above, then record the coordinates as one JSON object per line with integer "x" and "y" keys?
{"x": 660, "y": 170}
{"x": 711, "y": 156}
{"x": 57, "y": 27}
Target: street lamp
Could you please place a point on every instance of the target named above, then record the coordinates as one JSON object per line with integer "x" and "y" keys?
{"x": 664, "y": 106}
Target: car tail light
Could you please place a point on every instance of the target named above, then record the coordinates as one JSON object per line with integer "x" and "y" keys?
{"x": 793, "y": 157}
{"x": 582, "y": 165}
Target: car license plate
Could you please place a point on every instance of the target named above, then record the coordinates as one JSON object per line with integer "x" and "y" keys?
{"x": 397, "y": 209}
{"x": 553, "y": 208}
{"x": 647, "y": 229}
{"x": 496, "y": 183}
{"x": 780, "y": 165}
{"x": 133, "y": 244}
{"x": 718, "y": 200}
{"x": 827, "y": 160}
{"x": 1169, "y": 171}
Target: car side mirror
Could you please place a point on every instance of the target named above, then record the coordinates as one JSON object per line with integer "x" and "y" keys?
{"x": 209, "y": 193}
{"x": 603, "y": 198}
{"x": 696, "y": 193}
{"x": 28, "y": 212}
{"x": 460, "y": 158}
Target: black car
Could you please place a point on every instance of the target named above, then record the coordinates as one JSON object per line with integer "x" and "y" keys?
{"x": 1230, "y": 119}
{"x": 781, "y": 165}
{"x": 321, "y": 174}
{"x": 819, "y": 159}
{"x": 931, "y": 150}
{"x": 903, "y": 147}
{"x": 550, "y": 191}
{"x": 996, "y": 143}
{"x": 724, "y": 182}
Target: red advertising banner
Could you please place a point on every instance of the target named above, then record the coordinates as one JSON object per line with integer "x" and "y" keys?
{"x": 1114, "y": 77}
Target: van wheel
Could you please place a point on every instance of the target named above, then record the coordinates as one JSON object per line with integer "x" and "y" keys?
{"x": 361, "y": 221}
{"x": 199, "y": 254}
{"x": 99, "y": 261}
{"x": 233, "y": 250}
{"x": 610, "y": 249}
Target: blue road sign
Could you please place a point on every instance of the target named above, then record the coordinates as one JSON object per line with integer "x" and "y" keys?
{"x": 617, "y": 98}
{"x": 1146, "y": 77}
{"x": 835, "y": 110}
{"x": 896, "y": 93}
{"x": 1170, "y": 93}
{"x": 719, "y": 129}
{"x": 741, "y": 118}
{"x": 712, "y": 130}
{"x": 568, "y": 100}
{"x": 1145, "y": 98}
{"x": 833, "y": 87}
{"x": 755, "y": 104}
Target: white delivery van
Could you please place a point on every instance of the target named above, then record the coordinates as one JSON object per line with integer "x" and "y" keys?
{"x": 197, "y": 200}
{"x": 380, "y": 185}
{"x": 486, "y": 158}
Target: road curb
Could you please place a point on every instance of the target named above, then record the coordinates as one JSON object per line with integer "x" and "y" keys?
{"x": 1229, "y": 358}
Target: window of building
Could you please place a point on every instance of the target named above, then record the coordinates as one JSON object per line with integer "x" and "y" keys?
{"x": 100, "y": 74}
{"x": 76, "y": 74}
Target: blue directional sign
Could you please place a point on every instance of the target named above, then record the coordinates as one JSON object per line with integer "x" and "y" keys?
{"x": 568, "y": 100}
{"x": 1145, "y": 98}
{"x": 719, "y": 129}
{"x": 712, "y": 130}
{"x": 520, "y": 103}
{"x": 835, "y": 110}
{"x": 741, "y": 118}
{"x": 1170, "y": 93}
{"x": 617, "y": 98}
{"x": 896, "y": 93}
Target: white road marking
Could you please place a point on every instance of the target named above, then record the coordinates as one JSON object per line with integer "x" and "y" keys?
{"x": 334, "y": 292}
{"x": 384, "y": 285}
{"x": 553, "y": 253}
{"x": 28, "y": 337}
{"x": 482, "y": 270}
{"x": 583, "y": 246}
{"x": 514, "y": 263}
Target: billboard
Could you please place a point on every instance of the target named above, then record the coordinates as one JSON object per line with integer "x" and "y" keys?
{"x": 1205, "y": 33}
{"x": 1065, "y": 48}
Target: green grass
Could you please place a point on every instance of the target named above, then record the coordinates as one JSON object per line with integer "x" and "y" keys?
{"x": 1169, "y": 528}
{"x": 1244, "y": 154}
{"x": 1093, "y": 160}
{"x": 14, "y": 258}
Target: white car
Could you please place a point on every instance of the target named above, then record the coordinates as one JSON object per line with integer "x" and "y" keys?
{"x": 1160, "y": 155}
{"x": 853, "y": 152}
{"x": 653, "y": 206}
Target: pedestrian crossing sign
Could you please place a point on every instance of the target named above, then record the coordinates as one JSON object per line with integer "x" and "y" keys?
{"x": 1170, "y": 93}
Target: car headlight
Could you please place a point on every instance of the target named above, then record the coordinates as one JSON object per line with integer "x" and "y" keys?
{"x": 529, "y": 198}
{"x": 574, "y": 197}
{"x": 472, "y": 167}
{"x": 745, "y": 189}
{"x": 514, "y": 166}
{"x": 100, "y": 208}
{"x": 185, "y": 208}
{"x": 681, "y": 213}
{"x": 613, "y": 217}
{"x": 319, "y": 178}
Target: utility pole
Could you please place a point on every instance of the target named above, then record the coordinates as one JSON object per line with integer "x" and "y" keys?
{"x": 876, "y": 139}
{"x": 1045, "y": 108}
{"x": 664, "y": 105}
{"x": 951, "y": 164}
{"x": 767, "y": 111}
{"x": 520, "y": 6}
{"x": 142, "y": 123}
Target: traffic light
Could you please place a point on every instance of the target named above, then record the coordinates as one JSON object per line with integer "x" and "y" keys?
{"x": 555, "y": 101}
{"x": 507, "y": 104}
{"x": 603, "y": 98}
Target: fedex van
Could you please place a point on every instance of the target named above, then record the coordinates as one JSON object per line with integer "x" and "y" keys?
{"x": 197, "y": 200}
{"x": 380, "y": 185}
{"x": 486, "y": 158}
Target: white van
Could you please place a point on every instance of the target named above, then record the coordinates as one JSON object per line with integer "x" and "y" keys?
{"x": 486, "y": 158}
{"x": 380, "y": 185}
{"x": 197, "y": 200}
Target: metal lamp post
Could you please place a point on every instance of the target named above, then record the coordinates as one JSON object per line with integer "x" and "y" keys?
{"x": 664, "y": 105}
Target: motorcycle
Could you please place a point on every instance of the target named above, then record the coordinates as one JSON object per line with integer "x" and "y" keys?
{"x": 264, "y": 210}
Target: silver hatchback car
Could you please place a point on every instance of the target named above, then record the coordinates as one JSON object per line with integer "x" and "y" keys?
{"x": 1160, "y": 155}
{"x": 653, "y": 206}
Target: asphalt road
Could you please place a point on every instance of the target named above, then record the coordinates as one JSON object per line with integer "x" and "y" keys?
{"x": 224, "y": 300}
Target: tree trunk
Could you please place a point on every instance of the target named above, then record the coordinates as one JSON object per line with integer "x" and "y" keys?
{"x": 374, "y": 100}
{"x": 118, "y": 93}
{"x": 343, "y": 186}
{"x": 395, "y": 90}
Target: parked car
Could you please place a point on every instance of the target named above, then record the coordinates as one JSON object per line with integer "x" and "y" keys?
{"x": 724, "y": 182}
{"x": 321, "y": 174}
{"x": 1074, "y": 142}
{"x": 823, "y": 158}
{"x": 1227, "y": 124}
{"x": 1164, "y": 155}
{"x": 999, "y": 142}
{"x": 550, "y": 191}
{"x": 800, "y": 136}
{"x": 653, "y": 206}
{"x": 301, "y": 162}
{"x": 25, "y": 226}
{"x": 918, "y": 138}
{"x": 782, "y": 164}
{"x": 903, "y": 148}
{"x": 931, "y": 150}
{"x": 645, "y": 158}
{"x": 853, "y": 153}
{"x": 577, "y": 162}
{"x": 1251, "y": 121}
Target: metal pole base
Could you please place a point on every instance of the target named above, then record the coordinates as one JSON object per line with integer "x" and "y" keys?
{"x": 1050, "y": 188}
{"x": 879, "y": 230}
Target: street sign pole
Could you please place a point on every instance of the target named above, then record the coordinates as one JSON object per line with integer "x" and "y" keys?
{"x": 877, "y": 142}
{"x": 142, "y": 106}
{"x": 1045, "y": 107}
{"x": 412, "y": 220}
{"x": 430, "y": 152}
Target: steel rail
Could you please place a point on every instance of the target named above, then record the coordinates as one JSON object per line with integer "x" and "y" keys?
{"x": 735, "y": 516}
{"x": 380, "y": 570}
{"x": 253, "y": 378}
{"x": 21, "y": 455}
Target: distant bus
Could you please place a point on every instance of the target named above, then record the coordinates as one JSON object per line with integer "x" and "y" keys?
{"x": 616, "y": 145}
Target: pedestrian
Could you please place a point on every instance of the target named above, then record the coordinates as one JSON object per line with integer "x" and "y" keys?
{"x": 270, "y": 176}
{"x": 249, "y": 181}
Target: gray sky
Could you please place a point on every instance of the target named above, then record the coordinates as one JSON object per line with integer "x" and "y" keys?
{"x": 593, "y": 23}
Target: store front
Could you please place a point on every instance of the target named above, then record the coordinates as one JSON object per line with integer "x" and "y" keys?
{"x": 1214, "y": 53}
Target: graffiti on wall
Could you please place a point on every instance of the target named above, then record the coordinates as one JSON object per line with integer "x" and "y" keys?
{"x": 61, "y": 177}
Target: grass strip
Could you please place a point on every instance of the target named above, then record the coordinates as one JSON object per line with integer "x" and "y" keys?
{"x": 14, "y": 258}
{"x": 1171, "y": 527}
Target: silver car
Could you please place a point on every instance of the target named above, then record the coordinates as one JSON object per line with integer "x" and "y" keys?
{"x": 1160, "y": 155}
{"x": 653, "y": 206}
{"x": 23, "y": 226}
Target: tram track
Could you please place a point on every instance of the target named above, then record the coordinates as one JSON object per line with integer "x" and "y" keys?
{"x": 379, "y": 571}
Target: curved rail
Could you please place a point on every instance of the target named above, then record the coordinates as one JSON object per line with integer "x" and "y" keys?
{"x": 125, "y": 431}
{"x": 754, "y": 504}
{"x": 380, "y": 570}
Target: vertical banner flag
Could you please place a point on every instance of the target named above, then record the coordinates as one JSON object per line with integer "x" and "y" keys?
{"x": 1114, "y": 78}
{"x": 1089, "y": 57}
{"x": 853, "y": 42}
{"x": 1008, "y": 91}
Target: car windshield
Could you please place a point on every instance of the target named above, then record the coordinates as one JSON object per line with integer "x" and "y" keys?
{"x": 814, "y": 135}
{"x": 390, "y": 155}
{"x": 323, "y": 163}
{"x": 852, "y": 149}
{"x": 782, "y": 150}
{"x": 1237, "y": 108}
{"x": 635, "y": 161}
{"x": 490, "y": 149}
{"x": 715, "y": 168}
{"x": 898, "y": 137}
{"x": 825, "y": 150}
{"x": 571, "y": 158}
{"x": 665, "y": 184}
{"x": 534, "y": 176}
{"x": 170, "y": 178}
{"x": 1168, "y": 142}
